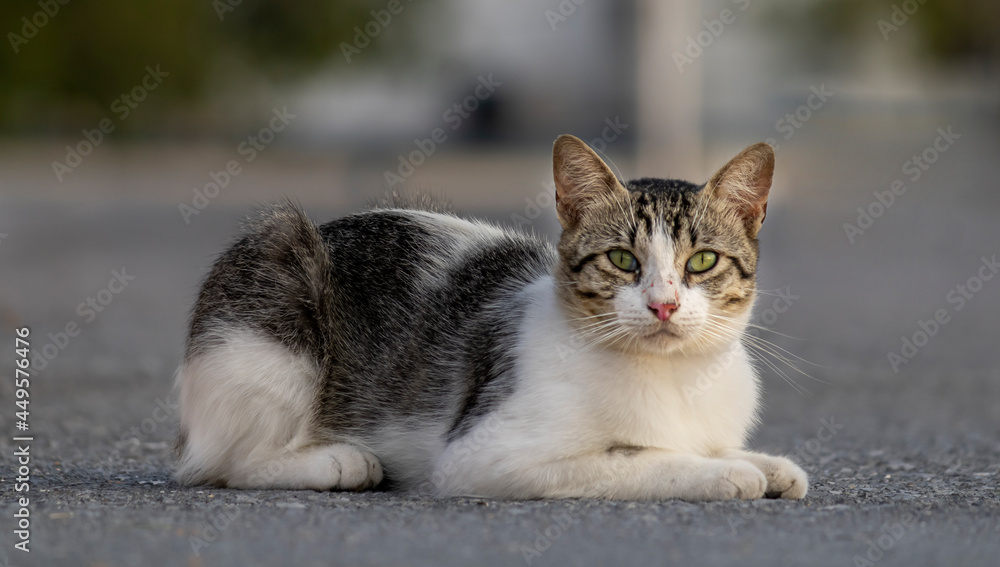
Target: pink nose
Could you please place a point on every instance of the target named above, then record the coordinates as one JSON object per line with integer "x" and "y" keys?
{"x": 663, "y": 310}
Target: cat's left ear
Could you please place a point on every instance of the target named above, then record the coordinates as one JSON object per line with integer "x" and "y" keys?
{"x": 744, "y": 183}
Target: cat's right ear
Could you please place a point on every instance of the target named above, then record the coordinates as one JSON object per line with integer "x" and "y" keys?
{"x": 744, "y": 183}
{"x": 583, "y": 180}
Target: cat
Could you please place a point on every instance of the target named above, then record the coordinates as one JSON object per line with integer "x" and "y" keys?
{"x": 411, "y": 349}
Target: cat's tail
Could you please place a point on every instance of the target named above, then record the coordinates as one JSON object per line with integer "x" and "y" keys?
{"x": 252, "y": 370}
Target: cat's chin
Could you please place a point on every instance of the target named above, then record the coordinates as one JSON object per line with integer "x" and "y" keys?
{"x": 667, "y": 340}
{"x": 661, "y": 346}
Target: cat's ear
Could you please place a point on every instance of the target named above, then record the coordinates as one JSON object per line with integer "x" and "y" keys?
{"x": 582, "y": 180}
{"x": 744, "y": 182}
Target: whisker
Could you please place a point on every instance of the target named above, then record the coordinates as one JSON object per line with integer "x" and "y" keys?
{"x": 762, "y": 358}
{"x": 788, "y": 379}
{"x": 720, "y": 331}
{"x": 587, "y": 328}
{"x": 630, "y": 216}
{"x": 605, "y": 337}
{"x": 763, "y": 350}
{"x": 785, "y": 351}
{"x": 606, "y": 158}
{"x": 754, "y": 326}
{"x": 768, "y": 349}
{"x": 700, "y": 214}
{"x": 771, "y": 292}
{"x": 610, "y": 313}
{"x": 596, "y": 327}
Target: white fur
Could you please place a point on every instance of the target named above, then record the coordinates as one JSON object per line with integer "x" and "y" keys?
{"x": 552, "y": 437}
{"x": 246, "y": 408}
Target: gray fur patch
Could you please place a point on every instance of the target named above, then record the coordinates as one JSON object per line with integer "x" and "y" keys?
{"x": 409, "y": 315}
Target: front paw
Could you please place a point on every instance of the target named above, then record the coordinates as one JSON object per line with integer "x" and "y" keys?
{"x": 785, "y": 479}
{"x": 728, "y": 479}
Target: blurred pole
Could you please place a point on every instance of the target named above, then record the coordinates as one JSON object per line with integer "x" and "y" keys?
{"x": 669, "y": 99}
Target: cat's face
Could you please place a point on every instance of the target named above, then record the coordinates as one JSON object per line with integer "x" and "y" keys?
{"x": 654, "y": 265}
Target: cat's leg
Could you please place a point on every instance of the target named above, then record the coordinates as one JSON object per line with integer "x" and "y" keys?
{"x": 633, "y": 474}
{"x": 785, "y": 479}
{"x": 340, "y": 466}
{"x": 246, "y": 421}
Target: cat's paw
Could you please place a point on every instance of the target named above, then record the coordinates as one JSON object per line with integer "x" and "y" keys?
{"x": 731, "y": 478}
{"x": 785, "y": 479}
{"x": 345, "y": 467}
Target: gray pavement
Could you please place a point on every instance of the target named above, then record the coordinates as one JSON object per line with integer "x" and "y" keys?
{"x": 904, "y": 465}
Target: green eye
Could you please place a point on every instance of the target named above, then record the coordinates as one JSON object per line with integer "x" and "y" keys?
{"x": 623, "y": 259}
{"x": 702, "y": 261}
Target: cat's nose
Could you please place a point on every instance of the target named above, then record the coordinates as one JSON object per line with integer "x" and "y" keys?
{"x": 663, "y": 310}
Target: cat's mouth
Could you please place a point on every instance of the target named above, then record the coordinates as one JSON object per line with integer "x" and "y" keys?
{"x": 663, "y": 331}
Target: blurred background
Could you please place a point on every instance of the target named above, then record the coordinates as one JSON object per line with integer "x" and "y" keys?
{"x": 140, "y": 135}
{"x": 136, "y": 136}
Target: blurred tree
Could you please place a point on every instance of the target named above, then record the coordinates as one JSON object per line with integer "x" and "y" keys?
{"x": 64, "y": 62}
{"x": 947, "y": 32}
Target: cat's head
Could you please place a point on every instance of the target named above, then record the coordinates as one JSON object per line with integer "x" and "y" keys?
{"x": 658, "y": 265}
